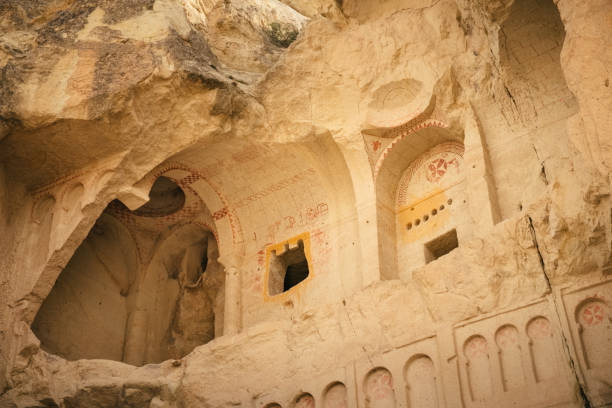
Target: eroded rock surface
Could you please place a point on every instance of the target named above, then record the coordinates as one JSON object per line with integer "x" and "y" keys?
{"x": 293, "y": 203}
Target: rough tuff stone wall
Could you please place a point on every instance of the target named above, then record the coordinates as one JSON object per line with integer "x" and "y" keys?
{"x": 365, "y": 133}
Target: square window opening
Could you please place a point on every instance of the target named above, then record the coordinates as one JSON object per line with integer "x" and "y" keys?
{"x": 441, "y": 246}
{"x": 287, "y": 269}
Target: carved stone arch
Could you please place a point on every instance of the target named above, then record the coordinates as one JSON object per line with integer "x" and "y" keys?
{"x": 594, "y": 321}
{"x": 338, "y": 203}
{"x": 378, "y": 386}
{"x": 304, "y": 400}
{"x": 477, "y": 353}
{"x": 71, "y": 197}
{"x": 101, "y": 180}
{"x": 227, "y": 224}
{"x": 335, "y": 396}
{"x": 43, "y": 205}
{"x": 542, "y": 348}
{"x": 397, "y": 236}
{"x": 421, "y": 382}
{"x": 509, "y": 351}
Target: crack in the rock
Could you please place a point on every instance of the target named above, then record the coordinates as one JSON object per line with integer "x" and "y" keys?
{"x": 355, "y": 331}
{"x": 581, "y": 390}
{"x": 511, "y": 97}
{"x": 415, "y": 9}
{"x": 543, "y": 174}
{"x": 537, "y": 248}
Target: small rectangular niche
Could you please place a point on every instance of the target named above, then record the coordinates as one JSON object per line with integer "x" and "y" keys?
{"x": 287, "y": 269}
{"x": 441, "y": 246}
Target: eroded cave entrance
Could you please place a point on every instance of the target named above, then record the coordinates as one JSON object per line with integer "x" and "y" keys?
{"x": 86, "y": 312}
{"x": 144, "y": 286}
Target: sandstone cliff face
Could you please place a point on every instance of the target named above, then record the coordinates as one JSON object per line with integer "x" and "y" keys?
{"x": 441, "y": 167}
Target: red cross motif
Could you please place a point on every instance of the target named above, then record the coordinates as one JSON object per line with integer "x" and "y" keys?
{"x": 436, "y": 170}
{"x": 593, "y": 314}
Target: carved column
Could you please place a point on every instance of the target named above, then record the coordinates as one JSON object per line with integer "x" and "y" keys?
{"x": 134, "y": 348}
{"x": 232, "y": 313}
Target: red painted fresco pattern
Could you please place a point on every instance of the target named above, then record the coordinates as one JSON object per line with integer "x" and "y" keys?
{"x": 217, "y": 215}
{"x": 322, "y": 251}
{"x": 443, "y": 160}
{"x": 307, "y": 216}
{"x": 380, "y": 385}
{"x": 476, "y": 347}
{"x": 402, "y": 135}
{"x": 437, "y": 168}
{"x": 593, "y": 314}
{"x": 507, "y": 336}
{"x": 539, "y": 328}
{"x": 276, "y": 187}
{"x": 196, "y": 175}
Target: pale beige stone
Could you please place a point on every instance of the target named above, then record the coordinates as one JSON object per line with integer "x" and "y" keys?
{"x": 290, "y": 203}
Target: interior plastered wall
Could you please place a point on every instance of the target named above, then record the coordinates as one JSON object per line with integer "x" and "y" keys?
{"x": 305, "y": 207}
{"x": 261, "y": 194}
{"x": 293, "y": 198}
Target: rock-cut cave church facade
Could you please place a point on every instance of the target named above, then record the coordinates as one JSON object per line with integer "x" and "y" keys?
{"x": 299, "y": 204}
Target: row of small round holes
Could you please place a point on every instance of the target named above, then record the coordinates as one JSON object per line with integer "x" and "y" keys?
{"x": 417, "y": 222}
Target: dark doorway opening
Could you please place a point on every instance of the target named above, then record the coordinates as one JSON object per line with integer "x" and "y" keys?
{"x": 287, "y": 269}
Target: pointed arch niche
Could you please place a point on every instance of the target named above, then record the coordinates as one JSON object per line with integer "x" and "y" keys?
{"x": 421, "y": 200}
